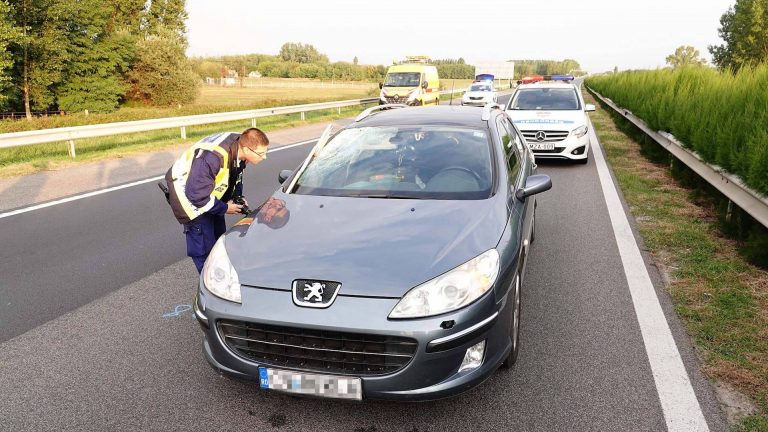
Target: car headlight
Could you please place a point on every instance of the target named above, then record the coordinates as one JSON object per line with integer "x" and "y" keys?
{"x": 219, "y": 277}
{"x": 580, "y": 131}
{"x": 451, "y": 290}
{"x": 412, "y": 95}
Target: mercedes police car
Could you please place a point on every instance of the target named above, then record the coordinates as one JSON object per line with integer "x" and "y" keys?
{"x": 551, "y": 114}
{"x": 389, "y": 265}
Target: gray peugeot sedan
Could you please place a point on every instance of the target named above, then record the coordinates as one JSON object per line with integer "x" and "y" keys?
{"x": 388, "y": 265}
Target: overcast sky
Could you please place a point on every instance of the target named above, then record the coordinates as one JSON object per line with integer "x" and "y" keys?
{"x": 600, "y": 34}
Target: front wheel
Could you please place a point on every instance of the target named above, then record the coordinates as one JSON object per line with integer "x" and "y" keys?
{"x": 514, "y": 331}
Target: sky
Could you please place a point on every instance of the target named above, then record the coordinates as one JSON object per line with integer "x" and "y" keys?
{"x": 599, "y": 34}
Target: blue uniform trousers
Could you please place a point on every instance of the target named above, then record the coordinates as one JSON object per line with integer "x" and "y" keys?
{"x": 202, "y": 232}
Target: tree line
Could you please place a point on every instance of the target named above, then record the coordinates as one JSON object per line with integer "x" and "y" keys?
{"x": 93, "y": 55}
{"x": 546, "y": 67}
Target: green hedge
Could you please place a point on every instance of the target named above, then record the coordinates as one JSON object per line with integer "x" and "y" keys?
{"x": 721, "y": 116}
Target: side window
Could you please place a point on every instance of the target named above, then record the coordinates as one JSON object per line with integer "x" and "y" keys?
{"x": 512, "y": 147}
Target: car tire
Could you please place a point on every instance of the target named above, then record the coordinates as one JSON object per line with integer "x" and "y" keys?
{"x": 437, "y": 102}
{"x": 514, "y": 331}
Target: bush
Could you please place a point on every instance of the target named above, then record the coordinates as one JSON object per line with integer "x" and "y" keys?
{"x": 161, "y": 73}
{"x": 719, "y": 115}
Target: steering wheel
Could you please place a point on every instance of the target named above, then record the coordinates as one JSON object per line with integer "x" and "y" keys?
{"x": 462, "y": 169}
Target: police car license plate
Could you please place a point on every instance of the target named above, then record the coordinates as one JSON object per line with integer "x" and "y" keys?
{"x": 542, "y": 146}
{"x": 330, "y": 386}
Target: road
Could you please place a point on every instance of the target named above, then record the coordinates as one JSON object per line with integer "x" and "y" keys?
{"x": 96, "y": 332}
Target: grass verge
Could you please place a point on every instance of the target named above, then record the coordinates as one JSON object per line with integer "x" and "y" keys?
{"x": 721, "y": 298}
{"x": 30, "y": 159}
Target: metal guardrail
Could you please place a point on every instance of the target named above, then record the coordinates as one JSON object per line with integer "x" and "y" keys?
{"x": 728, "y": 184}
{"x": 70, "y": 134}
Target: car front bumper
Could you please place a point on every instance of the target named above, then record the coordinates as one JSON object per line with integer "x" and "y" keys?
{"x": 432, "y": 372}
{"x": 571, "y": 148}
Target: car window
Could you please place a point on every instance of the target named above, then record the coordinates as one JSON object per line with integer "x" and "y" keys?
{"x": 545, "y": 99}
{"x": 402, "y": 79}
{"x": 511, "y": 143}
{"x": 480, "y": 87}
{"x": 419, "y": 162}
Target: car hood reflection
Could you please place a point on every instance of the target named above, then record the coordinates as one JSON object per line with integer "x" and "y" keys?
{"x": 373, "y": 247}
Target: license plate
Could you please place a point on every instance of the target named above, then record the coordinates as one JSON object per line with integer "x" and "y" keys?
{"x": 542, "y": 146}
{"x": 330, "y": 386}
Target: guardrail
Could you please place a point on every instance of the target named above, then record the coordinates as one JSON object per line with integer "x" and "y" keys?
{"x": 728, "y": 184}
{"x": 70, "y": 134}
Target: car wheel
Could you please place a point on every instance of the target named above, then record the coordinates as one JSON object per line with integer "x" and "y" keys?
{"x": 437, "y": 102}
{"x": 514, "y": 330}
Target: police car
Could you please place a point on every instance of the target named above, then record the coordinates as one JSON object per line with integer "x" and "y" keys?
{"x": 551, "y": 114}
{"x": 479, "y": 94}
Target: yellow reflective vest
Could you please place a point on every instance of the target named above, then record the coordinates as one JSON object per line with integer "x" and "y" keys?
{"x": 177, "y": 177}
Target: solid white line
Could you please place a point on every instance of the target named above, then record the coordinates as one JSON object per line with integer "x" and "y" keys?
{"x": 116, "y": 188}
{"x": 678, "y": 400}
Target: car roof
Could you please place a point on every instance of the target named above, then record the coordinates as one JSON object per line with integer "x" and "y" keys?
{"x": 546, "y": 85}
{"x": 443, "y": 115}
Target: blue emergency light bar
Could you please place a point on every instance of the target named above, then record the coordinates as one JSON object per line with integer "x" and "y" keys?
{"x": 562, "y": 78}
{"x": 484, "y": 77}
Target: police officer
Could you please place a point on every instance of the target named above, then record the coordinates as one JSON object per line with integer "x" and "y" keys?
{"x": 203, "y": 181}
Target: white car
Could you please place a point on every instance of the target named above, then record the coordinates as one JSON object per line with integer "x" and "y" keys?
{"x": 552, "y": 118}
{"x": 479, "y": 94}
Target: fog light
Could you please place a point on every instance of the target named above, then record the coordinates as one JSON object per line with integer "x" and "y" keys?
{"x": 473, "y": 357}
{"x": 578, "y": 151}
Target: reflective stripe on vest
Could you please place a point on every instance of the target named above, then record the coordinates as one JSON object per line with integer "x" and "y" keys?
{"x": 182, "y": 167}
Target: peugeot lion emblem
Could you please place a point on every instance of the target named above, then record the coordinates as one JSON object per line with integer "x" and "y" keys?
{"x": 314, "y": 293}
{"x": 541, "y": 136}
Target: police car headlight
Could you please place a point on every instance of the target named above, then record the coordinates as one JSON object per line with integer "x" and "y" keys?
{"x": 580, "y": 131}
{"x": 219, "y": 277}
{"x": 451, "y": 290}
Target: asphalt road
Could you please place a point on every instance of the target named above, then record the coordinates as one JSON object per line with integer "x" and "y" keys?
{"x": 97, "y": 333}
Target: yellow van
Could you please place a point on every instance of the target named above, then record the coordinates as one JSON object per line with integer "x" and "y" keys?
{"x": 411, "y": 84}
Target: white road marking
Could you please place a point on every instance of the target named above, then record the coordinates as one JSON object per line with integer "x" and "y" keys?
{"x": 678, "y": 400}
{"x": 116, "y": 188}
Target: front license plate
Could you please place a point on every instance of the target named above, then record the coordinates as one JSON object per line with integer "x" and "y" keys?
{"x": 542, "y": 146}
{"x": 311, "y": 384}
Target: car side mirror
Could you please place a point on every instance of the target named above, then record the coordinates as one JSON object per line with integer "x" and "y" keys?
{"x": 424, "y": 85}
{"x": 283, "y": 176}
{"x": 589, "y": 107}
{"x": 534, "y": 184}
{"x": 381, "y": 86}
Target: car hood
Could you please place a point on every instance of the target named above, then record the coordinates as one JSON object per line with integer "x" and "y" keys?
{"x": 373, "y": 247}
{"x": 547, "y": 120}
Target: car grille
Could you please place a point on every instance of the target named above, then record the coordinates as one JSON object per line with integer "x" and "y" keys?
{"x": 551, "y": 136}
{"x": 475, "y": 98}
{"x": 396, "y": 99}
{"x": 316, "y": 350}
{"x": 556, "y": 150}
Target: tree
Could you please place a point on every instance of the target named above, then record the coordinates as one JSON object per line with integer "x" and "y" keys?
{"x": 161, "y": 73}
{"x": 166, "y": 15}
{"x": 685, "y": 56}
{"x": 8, "y": 33}
{"x": 92, "y": 76}
{"x": 745, "y": 32}
{"x": 301, "y": 53}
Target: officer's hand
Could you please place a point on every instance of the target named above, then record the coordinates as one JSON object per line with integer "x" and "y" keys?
{"x": 233, "y": 208}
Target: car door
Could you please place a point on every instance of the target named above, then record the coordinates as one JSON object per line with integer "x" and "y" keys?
{"x": 519, "y": 167}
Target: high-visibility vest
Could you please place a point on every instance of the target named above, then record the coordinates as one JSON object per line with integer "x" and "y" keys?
{"x": 182, "y": 167}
